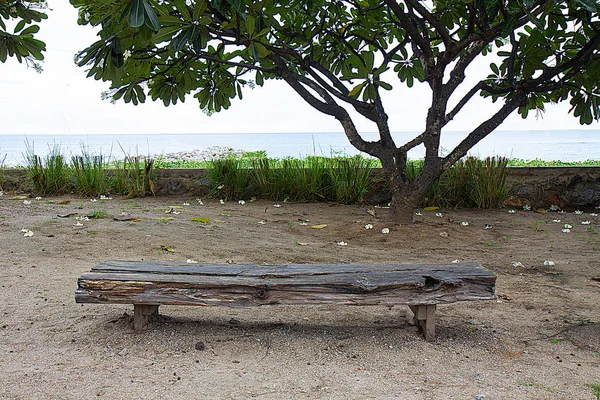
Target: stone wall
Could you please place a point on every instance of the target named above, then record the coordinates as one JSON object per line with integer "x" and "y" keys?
{"x": 536, "y": 186}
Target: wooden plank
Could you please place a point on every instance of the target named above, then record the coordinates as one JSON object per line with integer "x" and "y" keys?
{"x": 464, "y": 269}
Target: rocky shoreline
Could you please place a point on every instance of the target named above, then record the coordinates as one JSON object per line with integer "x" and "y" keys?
{"x": 210, "y": 153}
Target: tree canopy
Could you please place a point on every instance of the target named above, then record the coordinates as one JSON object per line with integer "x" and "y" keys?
{"x": 18, "y": 26}
{"x": 341, "y": 55}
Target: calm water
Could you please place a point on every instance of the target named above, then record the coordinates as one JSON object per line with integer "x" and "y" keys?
{"x": 548, "y": 145}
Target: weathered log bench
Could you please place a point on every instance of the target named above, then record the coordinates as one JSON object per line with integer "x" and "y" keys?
{"x": 147, "y": 285}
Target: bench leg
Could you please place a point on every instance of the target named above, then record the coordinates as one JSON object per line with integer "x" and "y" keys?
{"x": 425, "y": 319}
{"x": 142, "y": 315}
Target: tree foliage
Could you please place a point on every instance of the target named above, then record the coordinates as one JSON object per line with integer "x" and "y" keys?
{"x": 18, "y": 26}
{"x": 341, "y": 55}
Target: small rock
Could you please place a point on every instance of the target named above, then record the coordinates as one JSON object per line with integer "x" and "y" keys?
{"x": 200, "y": 346}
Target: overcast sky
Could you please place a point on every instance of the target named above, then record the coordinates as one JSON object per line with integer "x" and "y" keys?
{"x": 62, "y": 100}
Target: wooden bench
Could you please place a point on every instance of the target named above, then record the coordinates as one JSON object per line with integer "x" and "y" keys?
{"x": 147, "y": 285}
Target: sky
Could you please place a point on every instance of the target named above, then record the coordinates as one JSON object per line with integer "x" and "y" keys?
{"x": 61, "y": 100}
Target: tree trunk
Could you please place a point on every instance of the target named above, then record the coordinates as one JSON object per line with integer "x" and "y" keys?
{"x": 406, "y": 199}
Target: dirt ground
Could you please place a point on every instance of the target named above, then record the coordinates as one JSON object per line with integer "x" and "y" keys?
{"x": 539, "y": 340}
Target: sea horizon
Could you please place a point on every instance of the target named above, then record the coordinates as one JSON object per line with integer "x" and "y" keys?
{"x": 549, "y": 145}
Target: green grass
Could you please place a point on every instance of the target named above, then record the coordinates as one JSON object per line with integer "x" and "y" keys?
{"x": 133, "y": 176}
{"x": 49, "y": 175}
{"x": 98, "y": 214}
{"x": 90, "y": 173}
{"x": 595, "y": 389}
{"x": 517, "y": 162}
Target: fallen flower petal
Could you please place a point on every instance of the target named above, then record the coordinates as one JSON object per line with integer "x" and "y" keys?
{"x": 200, "y": 202}
{"x": 26, "y": 202}
{"x": 577, "y": 212}
{"x": 38, "y": 198}
{"x": 548, "y": 263}
{"x": 93, "y": 200}
{"x": 516, "y": 264}
{"x": 77, "y": 224}
{"x": 487, "y": 226}
{"x": 585, "y": 222}
{"x": 191, "y": 261}
{"x": 464, "y": 223}
{"x": 342, "y": 243}
{"x": 455, "y": 261}
{"x": 511, "y": 211}
{"x": 186, "y": 204}
{"x": 419, "y": 213}
{"x": 276, "y": 205}
{"x": 241, "y": 202}
{"x": 567, "y": 226}
{"x": 566, "y": 230}
{"x": 221, "y": 201}
{"x": 368, "y": 226}
{"x": 439, "y": 215}
{"x": 527, "y": 207}
{"x": 556, "y": 220}
{"x": 385, "y": 230}
{"x": 593, "y": 215}
{"x": 262, "y": 222}
{"x": 28, "y": 233}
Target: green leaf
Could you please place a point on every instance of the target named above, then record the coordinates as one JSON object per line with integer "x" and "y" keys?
{"x": 355, "y": 92}
{"x": 588, "y": 5}
{"x": 20, "y": 25}
{"x": 151, "y": 18}
{"x": 136, "y": 13}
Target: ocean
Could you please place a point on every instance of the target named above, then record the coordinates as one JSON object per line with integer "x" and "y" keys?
{"x": 572, "y": 145}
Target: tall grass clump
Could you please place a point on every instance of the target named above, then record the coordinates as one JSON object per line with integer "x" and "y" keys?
{"x": 49, "y": 175}
{"x": 2, "y": 172}
{"x": 489, "y": 181}
{"x": 471, "y": 182}
{"x": 230, "y": 178}
{"x": 90, "y": 175}
{"x": 134, "y": 176}
{"x": 350, "y": 178}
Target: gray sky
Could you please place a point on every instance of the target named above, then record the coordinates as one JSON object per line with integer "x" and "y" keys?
{"x": 62, "y": 100}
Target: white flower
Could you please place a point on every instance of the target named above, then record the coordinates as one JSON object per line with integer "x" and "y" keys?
{"x": 439, "y": 215}
{"x": 221, "y": 201}
{"x": 28, "y": 233}
{"x": 38, "y": 198}
{"x": 511, "y": 211}
{"x": 577, "y": 212}
{"x": 200, "y": 202}
{"x": 548, "y": 263}
{"x": 554, "y": 207}
{"x": 517, "y": 264}
{"x": 241, "y": 202}
{"x": 464, "y": 223}
{"x": 276, "y": 205}
{"x": 487, "y": 226}
{"x": 191, "y": 261}
{"x": 103, "y": 197}
{"x": 83, "y": 218}
{"x": 186, "y": 204}
{"x": 303, "y": 223}
{"x": 562, "y": 212}
{"x": 585, "y": 222}
{"x": 566, "y": 230}
{"x": 368, "y": 226}
{"x": 175, "y": 212}
{"x": 556, "y": 220}
{"x": 77, "y": 224}
{"x": 567, "y": 226}
{"x": 24, "y": 230}
{"x": 418, "y": 213}
{"x": 342, "y": 243}
{"x": 385, "y": 230}
{"x": 220, "y": 187}
{"x": 93, "y": 200}
{"x": 591, "y": 214}
{"x": 122, "y": 213}
{"x": 262, "y": 222}
{"x": 126, "y": 54}
{"x": 455, "y": 261}
{"x": 527, "y": 207}
{"x": 27, "y": 202}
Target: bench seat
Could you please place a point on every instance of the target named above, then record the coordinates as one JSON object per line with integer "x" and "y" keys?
{"x": 147, "y": 285}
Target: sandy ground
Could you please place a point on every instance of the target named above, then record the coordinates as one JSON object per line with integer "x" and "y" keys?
{"x": 540, "y": 340}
